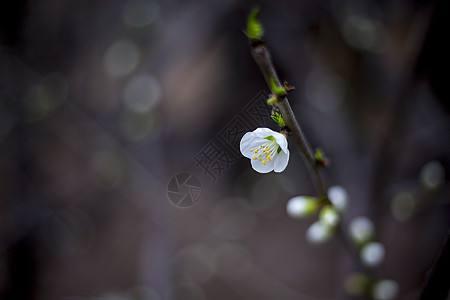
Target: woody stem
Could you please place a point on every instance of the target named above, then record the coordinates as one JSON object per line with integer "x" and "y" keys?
{"x": 262, "y": 57}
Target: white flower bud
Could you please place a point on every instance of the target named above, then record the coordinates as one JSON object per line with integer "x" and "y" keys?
{"x": 301, "y": 206}
{"x": 329, "y": 215}
{"x": 372, "y": 254}
{"x": 357, "y": 284}
{"x": 318, "y": 233}
{"x": 339, "y": 197}
{"x": 361, "y": 230}
{"x": 385, "y": 289}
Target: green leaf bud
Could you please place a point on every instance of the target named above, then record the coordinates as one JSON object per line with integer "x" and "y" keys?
{"x": 254, "y": 29}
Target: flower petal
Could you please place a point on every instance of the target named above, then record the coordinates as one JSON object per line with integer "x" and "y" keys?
{"x": 263, "y": 132}
{"x": 250, "y": 141}
{"x": 281, "y": 161}
{"x": 281, "y": 141}
{"x": 259, "y": 167}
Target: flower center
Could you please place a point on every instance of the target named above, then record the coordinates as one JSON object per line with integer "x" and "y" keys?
{"x": 267, "y": 151}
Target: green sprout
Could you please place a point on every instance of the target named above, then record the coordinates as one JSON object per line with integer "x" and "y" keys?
{"x": 278, "y": 119}
{"x": 320, "y": 158}
{"x": 272, "y": 100}
{"x": 278, "y": 90}
{"x": 319, "y": 155}
{"x": 254, "y": 30}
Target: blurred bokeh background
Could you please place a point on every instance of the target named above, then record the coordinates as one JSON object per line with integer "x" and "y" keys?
{"x": 103, "y": 102}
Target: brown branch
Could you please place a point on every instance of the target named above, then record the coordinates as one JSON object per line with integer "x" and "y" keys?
{"x": 262, "y": 57}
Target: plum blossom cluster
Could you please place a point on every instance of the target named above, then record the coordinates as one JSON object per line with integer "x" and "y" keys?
{"x": 329, "y": 213}
{"x": 361, "y": 231}
{"x": 268, "y": 151}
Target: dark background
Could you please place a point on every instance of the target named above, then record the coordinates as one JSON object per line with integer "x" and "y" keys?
{"x": 102, "y": 102}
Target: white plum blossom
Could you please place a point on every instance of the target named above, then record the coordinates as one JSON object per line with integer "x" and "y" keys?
{"x": 267, "y": 150}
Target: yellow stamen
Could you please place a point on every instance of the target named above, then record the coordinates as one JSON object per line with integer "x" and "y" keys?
{"x": 268, "y": 151}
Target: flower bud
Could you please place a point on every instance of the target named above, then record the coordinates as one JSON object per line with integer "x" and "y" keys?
{"x": 329, "y": 215}
{"x": 372, "y": 254}
{"x": 357, "y": 284}
{"x": 302, "y": 206}
{"x": 339, "y": 197}
{"x": 361, "y": 230}
{"x": 385, "y": 289}
{"x": 318, "y": 233}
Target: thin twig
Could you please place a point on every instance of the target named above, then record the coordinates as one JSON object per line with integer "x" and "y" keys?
{"x": 262, "y": 57}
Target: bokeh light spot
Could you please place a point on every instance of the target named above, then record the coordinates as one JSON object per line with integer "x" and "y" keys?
{"x": 121, "y": 58}
{"x": 362, "y": 32}
{"x": 44, "y": 97}
{"x": 141, "y": 93}
{"x": 139, "y": 13}
{"x": 135, "y": 127}
{"x": 403, "y": 206}
{"x": 432, "y": 175}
